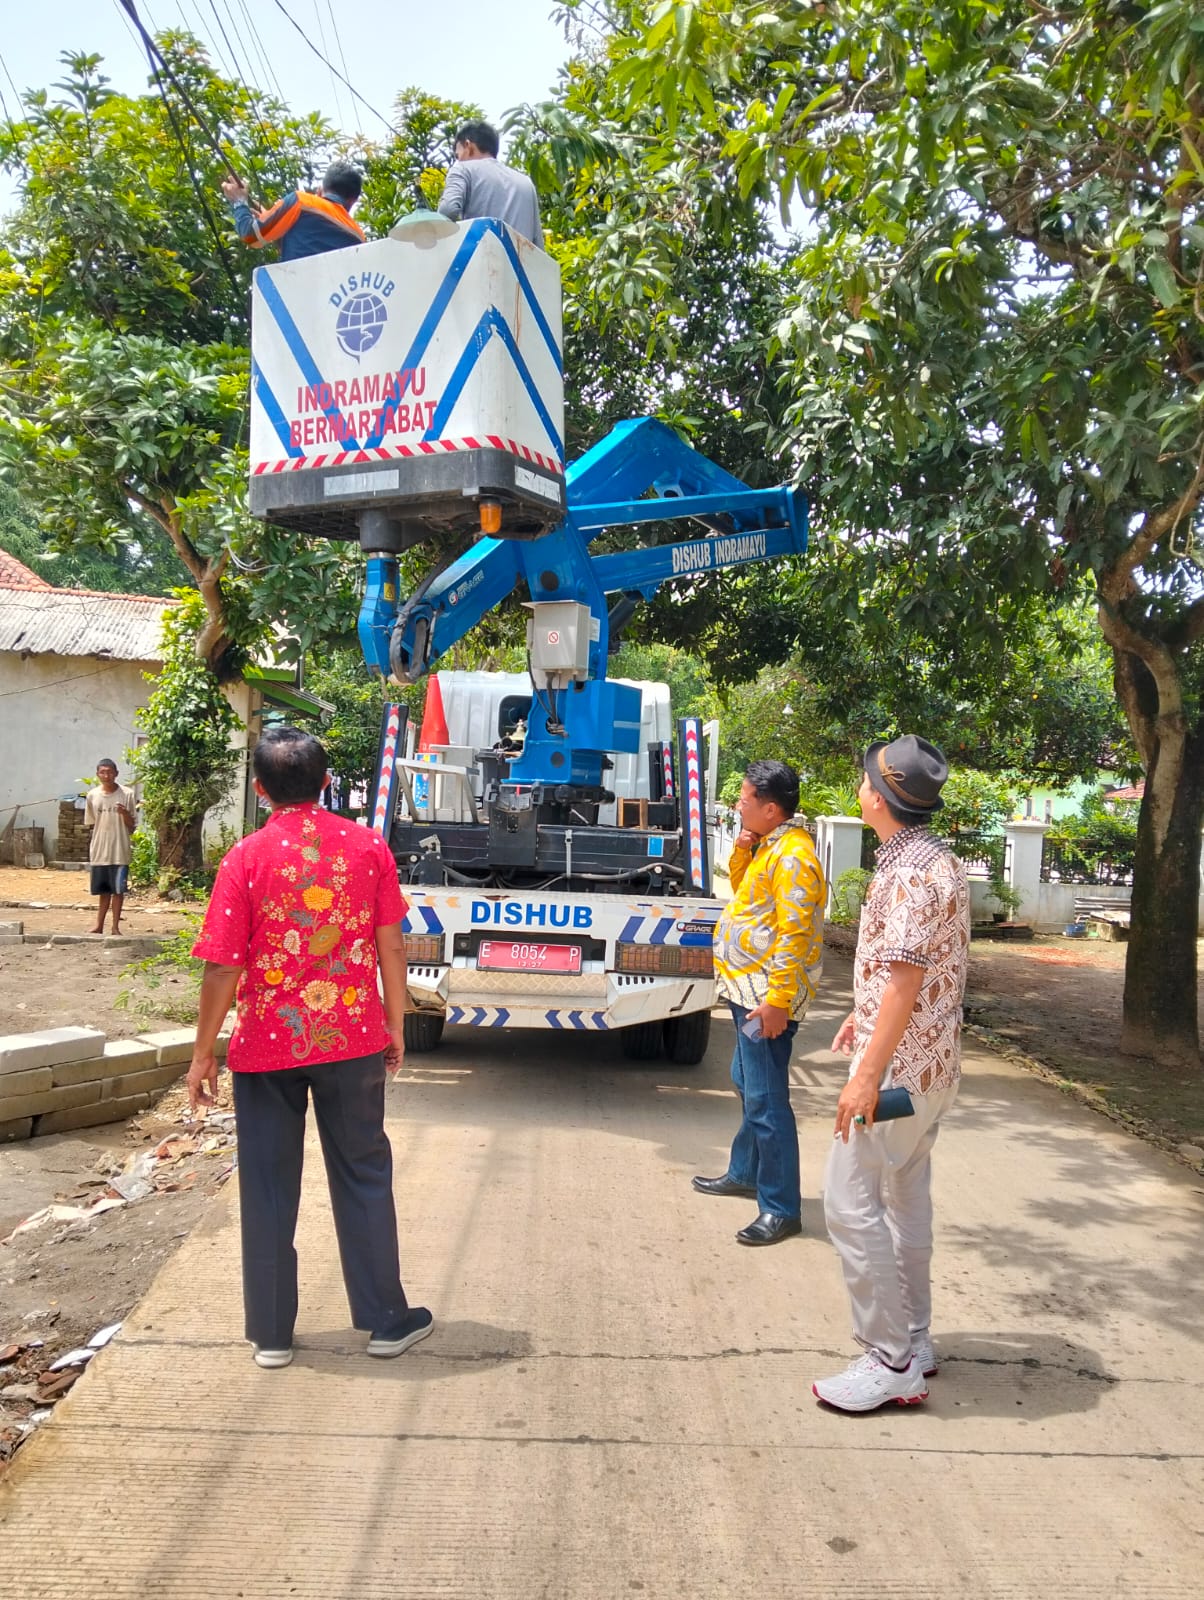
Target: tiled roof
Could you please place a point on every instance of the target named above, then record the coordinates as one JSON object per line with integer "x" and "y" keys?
{"x": 15, "y": 575}
{"x": 78, "y": 622}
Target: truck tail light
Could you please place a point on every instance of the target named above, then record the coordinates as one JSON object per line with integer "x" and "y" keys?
{"x": 676, "y": 960}
{"x": 424, "y": 948}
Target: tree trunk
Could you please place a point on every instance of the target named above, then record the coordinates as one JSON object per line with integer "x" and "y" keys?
{"x": 1160, "y": 1004}
{"x": 180, "y": 846}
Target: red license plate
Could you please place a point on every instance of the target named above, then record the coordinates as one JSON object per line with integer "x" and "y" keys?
{"x": 516, "y": 955}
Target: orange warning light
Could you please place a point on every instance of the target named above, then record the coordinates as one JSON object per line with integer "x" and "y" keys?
{"x": 491, "y": 516}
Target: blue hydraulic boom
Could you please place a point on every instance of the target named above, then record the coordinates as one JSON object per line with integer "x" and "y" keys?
{"x": 642, "y": 472}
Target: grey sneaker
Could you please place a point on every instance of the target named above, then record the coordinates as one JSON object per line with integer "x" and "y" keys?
{"x": 415, "y": 1325}
{"x": 924, "y": 1353}
{"x": 272, "y": 1358}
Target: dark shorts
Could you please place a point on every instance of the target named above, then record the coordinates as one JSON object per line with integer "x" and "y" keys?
{"x": 110, "y": 880}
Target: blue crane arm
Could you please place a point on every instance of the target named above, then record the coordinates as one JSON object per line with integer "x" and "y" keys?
{"x": 606, "y": 488}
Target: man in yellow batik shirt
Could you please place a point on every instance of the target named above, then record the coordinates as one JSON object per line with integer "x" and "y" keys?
{"x": 768, "y": 957}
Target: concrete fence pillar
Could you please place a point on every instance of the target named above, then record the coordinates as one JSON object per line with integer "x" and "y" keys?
{"x": 838, "y": 845}
{"x": 1022, "y": 864}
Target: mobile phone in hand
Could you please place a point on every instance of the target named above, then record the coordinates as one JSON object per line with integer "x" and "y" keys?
{"x": 752, "y": 1028}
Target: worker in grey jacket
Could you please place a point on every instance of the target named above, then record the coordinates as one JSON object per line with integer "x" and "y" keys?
{"x": 478, "y": 185}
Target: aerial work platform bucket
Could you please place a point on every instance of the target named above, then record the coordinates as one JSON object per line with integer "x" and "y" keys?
{"x": 410, "y": 380}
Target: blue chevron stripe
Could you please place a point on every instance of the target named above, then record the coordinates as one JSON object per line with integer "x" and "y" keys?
{"x": 451, "y": 282}
{"x": 664, "y": 926}
{"x": 491, "y": 323}
{"x": 553, "y": 1019}
{"x": 600, "y": 1021}
{"x": 273, "y": 410}
{"x": 274, "y": 300}
{"x": 630, "y": 929}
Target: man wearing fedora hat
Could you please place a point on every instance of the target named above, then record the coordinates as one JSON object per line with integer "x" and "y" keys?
{"x": 904, "y": 1032}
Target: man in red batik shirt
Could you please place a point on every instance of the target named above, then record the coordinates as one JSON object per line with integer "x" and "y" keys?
{"x": 303, "y": 915}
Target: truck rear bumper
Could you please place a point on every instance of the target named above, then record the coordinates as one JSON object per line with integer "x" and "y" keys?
{"x": 595, "y": 1002}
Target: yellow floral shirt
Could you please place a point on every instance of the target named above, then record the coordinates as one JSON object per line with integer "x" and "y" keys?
{"x": 770, "y": 936}
{"x": 297, "y": 906}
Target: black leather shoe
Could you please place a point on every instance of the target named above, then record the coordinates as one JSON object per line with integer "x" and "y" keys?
{"x": 724, "y": 1185}
{"x": 769, "y": 1228}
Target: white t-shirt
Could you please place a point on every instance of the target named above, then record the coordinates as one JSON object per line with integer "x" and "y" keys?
{"x": 110, "y": 845}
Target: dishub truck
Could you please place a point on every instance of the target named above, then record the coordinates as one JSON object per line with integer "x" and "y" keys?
{"x": 556, "y": 855}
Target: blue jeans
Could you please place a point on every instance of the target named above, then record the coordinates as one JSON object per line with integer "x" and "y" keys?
{"x": 765, "y": 1150}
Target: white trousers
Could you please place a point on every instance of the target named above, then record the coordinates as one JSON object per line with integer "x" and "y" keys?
{"x": 878, "y": 1207}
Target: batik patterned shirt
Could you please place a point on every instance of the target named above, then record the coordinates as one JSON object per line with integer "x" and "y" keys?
{"x": 769, "y": 939}
{"x": 297, "y": 906}
{"x": 916, "y": 911}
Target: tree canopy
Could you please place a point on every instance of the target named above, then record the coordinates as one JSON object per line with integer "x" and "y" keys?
{"x": 992, "y": 343}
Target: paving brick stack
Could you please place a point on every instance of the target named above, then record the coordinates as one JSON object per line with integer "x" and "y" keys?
{"x": 73, "y": 837}
{"x": 63, "y": 1078}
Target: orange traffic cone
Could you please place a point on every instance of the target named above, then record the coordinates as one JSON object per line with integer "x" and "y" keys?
{"x": 434, "y": 722}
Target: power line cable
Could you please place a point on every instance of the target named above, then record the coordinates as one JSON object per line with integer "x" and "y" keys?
{"x": 280, "y": 7}
{"x": 334, "y": 82}
{"x": 338, "y": 39}
{"x": 12, "y": 126}
{"x": 261, "y": 50}
{"x": 161, "y": 69}
{"x": 155, "y": 55}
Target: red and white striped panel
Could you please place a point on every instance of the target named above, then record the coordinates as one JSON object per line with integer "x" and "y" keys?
{"x": 384, "y": 778}
{"x": 667, "y": 760}
{"x": 391, "y": 452}
{"x": 695, "y": 834}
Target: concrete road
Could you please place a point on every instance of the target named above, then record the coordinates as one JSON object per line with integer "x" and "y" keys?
{"x": 616, "y": 1399}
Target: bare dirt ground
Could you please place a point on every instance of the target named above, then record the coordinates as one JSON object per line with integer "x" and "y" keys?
{"x": 64, "y": 1280}
{"x": 1059, "y": 1001}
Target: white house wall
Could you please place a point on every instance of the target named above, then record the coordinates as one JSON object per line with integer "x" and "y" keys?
{"x": 59, "y": 715}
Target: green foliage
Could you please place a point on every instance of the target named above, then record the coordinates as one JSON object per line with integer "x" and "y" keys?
{"x": 691, "y": 693}
{"x": 142, "y": 982}
{"x": 187, "y": 763}
{"x": 848, "y": 895}
{"x": 993, "y": 349}
{"x": 976, "y": 806}
{"x": 1005, "y": 897}
{"x": 352, "y": 735}
{"x": 123, "y": 320}
{"x": 144, "y": 859}
{"x": 408, "y": 171}
{"x": 1100, "y": 840}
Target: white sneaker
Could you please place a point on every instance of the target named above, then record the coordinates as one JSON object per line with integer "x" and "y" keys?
{"x": 867, "y": 1384}
{"x": 924, "y": 1353}
{"x": 272, "y": 1358}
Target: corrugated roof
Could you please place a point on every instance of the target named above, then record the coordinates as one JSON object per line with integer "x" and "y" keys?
{"x": 78, "y": 622}
{"x": 15, "y": 574}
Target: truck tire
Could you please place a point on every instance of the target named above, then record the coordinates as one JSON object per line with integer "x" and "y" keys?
{"x": 643, "y": 1041}
{"x": 686, "y": 1038}
{"x": 422, "y": 1030}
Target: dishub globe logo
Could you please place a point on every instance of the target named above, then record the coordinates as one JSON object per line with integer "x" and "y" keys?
{"x": 362, "y": 312}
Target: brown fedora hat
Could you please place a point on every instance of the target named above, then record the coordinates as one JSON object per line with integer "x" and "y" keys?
{"x": 909, "y": 772}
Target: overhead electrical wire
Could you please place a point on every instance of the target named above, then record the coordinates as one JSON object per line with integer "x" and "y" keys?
{"x": 281, "y": 8}
{"x": 338, "y": 39}
{"x": 334, "y": 82}
{"x": 161, "y": 70}
{"x": 261, "y": 51}
{"x": 12, "y": 126}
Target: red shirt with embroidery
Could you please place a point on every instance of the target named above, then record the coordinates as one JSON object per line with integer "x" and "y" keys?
{"x": 297, "y": 906}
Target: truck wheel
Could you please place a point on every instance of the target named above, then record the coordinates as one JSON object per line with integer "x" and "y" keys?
{"x": 643, "y": 1041}
{"x": 686, "y": 1038}
{"x": 422, "y": 1030}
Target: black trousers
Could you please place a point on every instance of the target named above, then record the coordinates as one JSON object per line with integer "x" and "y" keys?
{"x": 349, "y": 1103}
